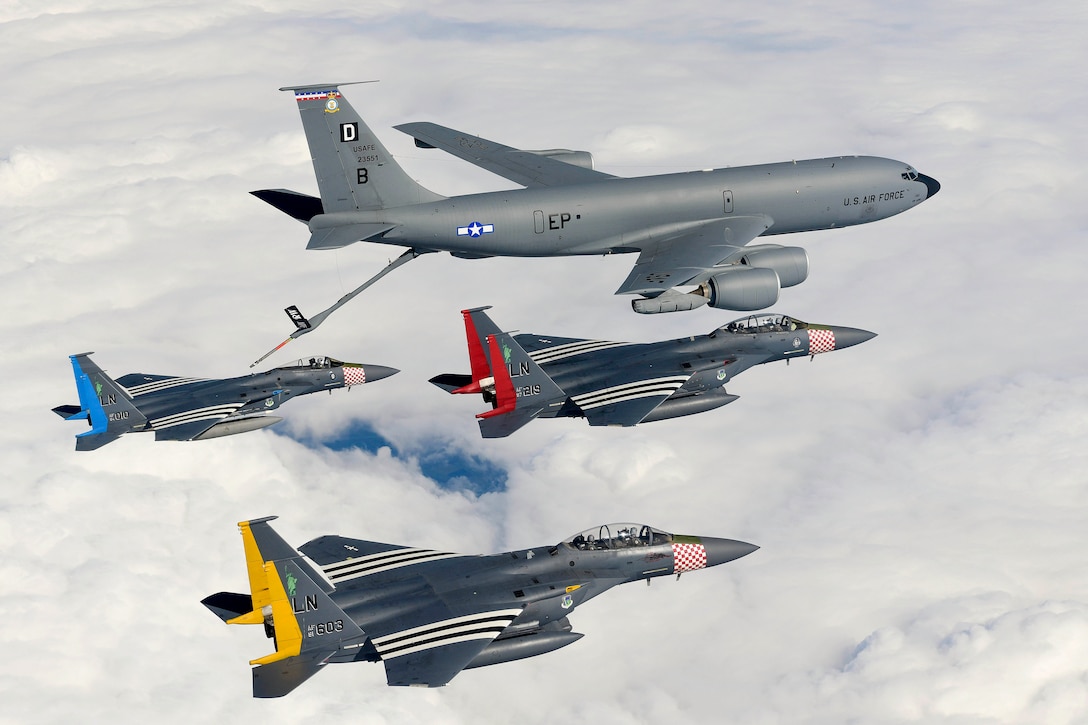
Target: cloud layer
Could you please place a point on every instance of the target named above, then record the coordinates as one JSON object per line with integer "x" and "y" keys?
{"x": 919, "y": 500}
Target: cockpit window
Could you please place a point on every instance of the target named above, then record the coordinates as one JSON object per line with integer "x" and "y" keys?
{"x": 618, "y": 536}
{"x": 764, "y": 323}
{"x": 910, "y": 175}
{"x": 314, "y": 363}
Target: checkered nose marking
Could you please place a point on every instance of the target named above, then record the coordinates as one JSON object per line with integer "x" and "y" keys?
{"x": 354, "y": 376}
{"x": 688, "y": 557}
{"x": 820, "y": 341}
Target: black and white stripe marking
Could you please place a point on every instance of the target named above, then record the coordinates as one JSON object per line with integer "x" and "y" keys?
{"x": 159, "y": 385}
{"x": 630, "y": 391}
{"x": 570, "y": 349}
{"x": 362, "y": 566}
{"x": 191, "y": 416}
{"x": 484, "y": 625}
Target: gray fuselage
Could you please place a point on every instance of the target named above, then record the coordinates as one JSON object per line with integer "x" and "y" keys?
{"x": 620, "y": 215}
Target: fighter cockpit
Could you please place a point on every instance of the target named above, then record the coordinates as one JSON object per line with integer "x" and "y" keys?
{"x": 753, "y": 324}
{"x": 313, "y": 363}
{"x": 618, "y": 536}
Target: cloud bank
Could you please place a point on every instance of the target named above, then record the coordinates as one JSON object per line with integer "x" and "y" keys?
{"x": 919, "y": 500}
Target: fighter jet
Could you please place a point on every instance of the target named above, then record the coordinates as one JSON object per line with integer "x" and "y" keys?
{"x": 530, "y": 376}
{"x": 430, "y": 614}
{"x": 188, "y": 409}
{"x": 690, "y": 229}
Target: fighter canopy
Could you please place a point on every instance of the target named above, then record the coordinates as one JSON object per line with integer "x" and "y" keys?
{"x": 618, "y": 536}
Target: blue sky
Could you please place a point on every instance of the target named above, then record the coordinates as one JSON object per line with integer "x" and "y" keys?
{"x": 451, "y": 468}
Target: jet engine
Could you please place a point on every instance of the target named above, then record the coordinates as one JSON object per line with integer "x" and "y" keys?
{"x": 690, "y": 404}
{"x": 669, "y": 301}
{"x": 238, "y": 425}
{"x": 742, "y": 288}
{"x": 751, "y": 284}
{"x": 537, "y": 641}
{"x": 790, "y": 263}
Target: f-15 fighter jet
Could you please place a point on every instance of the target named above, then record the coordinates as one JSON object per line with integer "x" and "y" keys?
{"x": 188, "y": 409}
{"x": 430, "y": 614}
{"x": 530, "y": 376}
{"x": 692, "y": 229}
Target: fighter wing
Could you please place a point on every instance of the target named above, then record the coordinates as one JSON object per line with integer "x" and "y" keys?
{"x": 544, "y": 349}
{"x": 622, "y": 394}
{"x": 343, "y": 560}
{"x": 432, "y": 653}
{"x": 422, "y": 638}
{"x": 627, "y": 397}
{"x": 686, "y": 258}
{"x": 185, "y": 425}
{"x": 528, "y": 168}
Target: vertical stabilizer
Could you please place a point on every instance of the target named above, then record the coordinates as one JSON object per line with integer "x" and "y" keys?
{"x": 523, "y": 390}
{"x": 103, "y": 403}
{"x": 291, "y": 600}
{"x": 354, "y": 170}
{"x": 478, "y": 327}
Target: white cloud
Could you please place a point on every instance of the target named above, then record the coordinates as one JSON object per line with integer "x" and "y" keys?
{"x": 919, "y": 499}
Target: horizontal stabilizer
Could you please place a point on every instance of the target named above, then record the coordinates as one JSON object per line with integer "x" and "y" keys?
{"x": 68, "y": 412}
{"x": 228, "y": 605}
{"x": 289, "y": 598}
{"x": 103, "y": 403}
{"x": 300, "y": 206}
{"x": 280, "y": 678}
{"x": 448, "y": 381}
{"x": 523, "y": 391}
{"x": 341, "y": 236}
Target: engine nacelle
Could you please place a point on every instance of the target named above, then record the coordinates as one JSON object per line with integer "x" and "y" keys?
{"x": 574, "y": 158}
{"x": 518, "y": 648}
{"x": 668, "y": 301}
{"x": 790, "y": 263}
{"x": 690, "y": 405}
{"x": 742, "y": 288}
{"x": 239, "y": 425}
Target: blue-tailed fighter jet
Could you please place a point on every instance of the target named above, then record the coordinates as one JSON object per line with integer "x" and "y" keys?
{"x": 186, "y": 409}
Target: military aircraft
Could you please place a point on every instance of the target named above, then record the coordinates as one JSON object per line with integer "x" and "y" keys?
{"x": 188, "y": 409}
{"x": 530, "y": 376}
{"x": 690, "y": 229}
{"x": 430, "y": 614}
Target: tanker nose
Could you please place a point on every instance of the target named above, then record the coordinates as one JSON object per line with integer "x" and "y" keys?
{"x": 850, "y": 336}
{"x": 932, "y": 185}
{"x": 378, "y": 372}
{"x": 719, "y": 551}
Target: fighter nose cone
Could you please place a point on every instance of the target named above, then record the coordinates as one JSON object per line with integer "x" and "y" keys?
{"x": 719, "y": 551}
{"x": 849, "y": 336}
{"x": 378, "y": 372}
{"x": 932, "y": 185}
